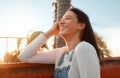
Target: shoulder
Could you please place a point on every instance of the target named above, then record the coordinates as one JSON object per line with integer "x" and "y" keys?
{"x": 86, "y": 52}
{"x": 85, "y": 48}
{"x": 85, "y": 58}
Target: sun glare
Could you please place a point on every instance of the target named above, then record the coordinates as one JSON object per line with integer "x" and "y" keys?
{"x": 112, "y": 39}
{"x": 15, "y": 23}
{"x": 113, "y": 45}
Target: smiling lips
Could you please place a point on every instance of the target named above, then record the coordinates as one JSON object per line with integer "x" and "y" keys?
{"x": 63, "y": 27}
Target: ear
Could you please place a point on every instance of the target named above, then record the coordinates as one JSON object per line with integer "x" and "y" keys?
{"x": 81, "y": 26}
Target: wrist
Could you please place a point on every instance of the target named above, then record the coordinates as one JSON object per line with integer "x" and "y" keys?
{"x": 49, "y": 34}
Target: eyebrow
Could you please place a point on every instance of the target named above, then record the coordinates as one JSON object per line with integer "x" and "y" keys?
{"x": 68, "y": 16}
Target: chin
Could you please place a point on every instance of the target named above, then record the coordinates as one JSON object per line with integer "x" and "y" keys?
{"x": 62, "y": 35}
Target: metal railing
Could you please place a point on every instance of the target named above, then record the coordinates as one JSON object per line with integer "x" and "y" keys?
{"x": 18, "y": 43}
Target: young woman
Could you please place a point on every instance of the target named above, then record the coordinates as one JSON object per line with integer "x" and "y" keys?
{"x": 79, "y": 58}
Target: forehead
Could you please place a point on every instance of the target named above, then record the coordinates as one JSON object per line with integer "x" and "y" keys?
{"x": 69, "y": 14}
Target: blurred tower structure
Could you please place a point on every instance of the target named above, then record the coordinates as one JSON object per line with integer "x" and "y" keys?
{"x": 61, "y": 7}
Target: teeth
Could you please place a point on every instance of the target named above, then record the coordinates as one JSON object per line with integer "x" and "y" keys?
{"x": 61, "y": 28}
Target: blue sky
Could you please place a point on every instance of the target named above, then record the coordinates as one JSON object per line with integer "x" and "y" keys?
{"x": 17, "y": 17}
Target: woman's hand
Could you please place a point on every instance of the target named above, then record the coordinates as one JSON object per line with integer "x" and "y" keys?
{"x": 55, "y": 28}
{"x": 53, "y": 31}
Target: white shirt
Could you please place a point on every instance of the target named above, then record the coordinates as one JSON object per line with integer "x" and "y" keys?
{"x": 84, "y": 64}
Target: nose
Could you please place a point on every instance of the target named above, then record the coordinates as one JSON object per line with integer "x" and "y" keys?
{"x": 61, "y": 21}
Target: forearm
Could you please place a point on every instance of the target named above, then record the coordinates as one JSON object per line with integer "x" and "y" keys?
{"x": 32, "y": 48}
{"x": 49, "y": 34}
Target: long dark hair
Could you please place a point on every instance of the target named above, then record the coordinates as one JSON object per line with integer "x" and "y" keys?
{"x": 88, "y": 34}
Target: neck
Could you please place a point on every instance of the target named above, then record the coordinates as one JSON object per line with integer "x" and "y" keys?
{"x": 71, "y": 42}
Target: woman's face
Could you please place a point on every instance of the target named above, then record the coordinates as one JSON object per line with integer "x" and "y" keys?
{"x": 69, "y": 24}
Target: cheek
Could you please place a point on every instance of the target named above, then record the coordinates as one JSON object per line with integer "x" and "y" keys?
{"x": 73, "y": 27}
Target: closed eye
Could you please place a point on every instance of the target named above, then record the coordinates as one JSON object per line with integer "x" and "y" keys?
{"x": 68, "y": 17}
